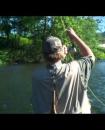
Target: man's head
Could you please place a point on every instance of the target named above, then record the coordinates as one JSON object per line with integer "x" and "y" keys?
{"x": 53, "y": 49}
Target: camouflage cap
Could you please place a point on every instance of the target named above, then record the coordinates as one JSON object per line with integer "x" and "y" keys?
{"x": 52, "y": 45}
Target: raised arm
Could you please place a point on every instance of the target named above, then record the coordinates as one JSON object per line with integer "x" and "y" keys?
{"x": 84, "y": 49}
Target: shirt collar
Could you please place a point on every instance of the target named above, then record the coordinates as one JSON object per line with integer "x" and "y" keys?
{"x": 58, "y": 64}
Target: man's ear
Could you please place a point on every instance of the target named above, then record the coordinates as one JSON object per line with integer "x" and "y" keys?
{"x": 65, "y": 49}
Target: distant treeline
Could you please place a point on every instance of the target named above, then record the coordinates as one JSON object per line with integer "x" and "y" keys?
{"x": 21, "y": 37}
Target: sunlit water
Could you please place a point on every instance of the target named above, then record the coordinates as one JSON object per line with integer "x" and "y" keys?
{"x": 97, "y": 85}
{"x": 15, "y": 88}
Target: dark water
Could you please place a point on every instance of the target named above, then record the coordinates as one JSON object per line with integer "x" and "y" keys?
{"x": 15, "y": 88}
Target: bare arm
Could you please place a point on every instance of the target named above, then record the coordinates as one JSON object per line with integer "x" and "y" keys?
{"x": 84, "y": 49}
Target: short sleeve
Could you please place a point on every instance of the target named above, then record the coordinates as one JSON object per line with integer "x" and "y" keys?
{"x": 86, "y": 65}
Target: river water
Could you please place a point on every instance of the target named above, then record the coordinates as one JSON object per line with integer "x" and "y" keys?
{"x": 15, "y": 88}
{"x": 97, "y": 85}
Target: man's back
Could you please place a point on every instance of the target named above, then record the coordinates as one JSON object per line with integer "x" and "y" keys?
{"x": 71, "y": 87}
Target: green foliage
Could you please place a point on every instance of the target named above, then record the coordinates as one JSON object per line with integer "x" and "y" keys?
{"x": 25, "y": 41}
{"x": 99, "y": 53}
{"x": 22, "y": 36}
{"x": 4, "y": 57}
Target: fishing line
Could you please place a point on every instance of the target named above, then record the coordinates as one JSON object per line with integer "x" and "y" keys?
{"x": 99, "y": 100}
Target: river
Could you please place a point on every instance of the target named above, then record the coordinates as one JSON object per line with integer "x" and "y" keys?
{"x": 15, "y": 88}
{"x": 97, "y": 85}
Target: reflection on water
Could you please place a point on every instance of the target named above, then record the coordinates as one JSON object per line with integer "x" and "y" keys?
{"x": 15, "y": 88}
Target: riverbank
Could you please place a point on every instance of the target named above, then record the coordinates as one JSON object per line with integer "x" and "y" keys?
{"x": 9, "y": 56}
{"x": 99, "y": 53}
{"x": 30, "y": 56}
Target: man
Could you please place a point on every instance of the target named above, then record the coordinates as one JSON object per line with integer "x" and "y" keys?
{"x": 58, "y": 87}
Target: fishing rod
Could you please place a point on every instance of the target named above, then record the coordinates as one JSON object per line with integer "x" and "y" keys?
{"x": 73, "y": 50}
{"x": 53, "y": 105}
{"x": 97, "y": 98}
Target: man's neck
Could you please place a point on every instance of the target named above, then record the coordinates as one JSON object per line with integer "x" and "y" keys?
{"x": 57, "y": 64}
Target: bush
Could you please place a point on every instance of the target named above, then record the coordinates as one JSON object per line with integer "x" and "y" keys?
{"x": 25, "y": 41}
{"x": 99, "y": 53}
